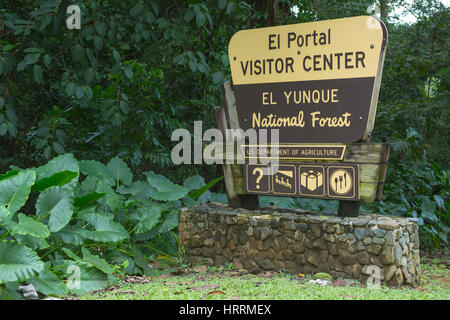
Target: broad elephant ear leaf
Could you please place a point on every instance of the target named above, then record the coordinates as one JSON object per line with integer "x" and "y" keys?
{"x": 97, "y": 170}
{"x": 53, "y": 169}
{"x": 48, "y": 283}
{"x": 15, "y": 189}
{"x": 5, "y": 214}
{"x": 197, "y": 193}
{"x": 57, "y": 179}
{"x": 27, "y": 226}
{"x": 96, "y": 261}
{"x": 106, "y": 230}
{"x": 88, "y": 199}
{"x": 166, "y": 189}
{"x": 120, "y": 171}
{"x": 58, "y": 203}
{"x": 148, "y": 218}
{"x": 84, "y": 278}
{"x": 18, "y": 262}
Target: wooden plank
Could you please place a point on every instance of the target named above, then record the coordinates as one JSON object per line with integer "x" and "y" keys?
{"x": 376, "y": 91}
{"x": 356, "y": 153}
{"x": 230, "y": 106}
{"x": 228, "y": 119}
{"x": 383, "y": 169}
{"x": 220, "y": 119}
{"x": 368, "y": 191}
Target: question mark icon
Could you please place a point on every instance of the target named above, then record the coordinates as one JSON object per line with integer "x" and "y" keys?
{"x": 259, "y": 170}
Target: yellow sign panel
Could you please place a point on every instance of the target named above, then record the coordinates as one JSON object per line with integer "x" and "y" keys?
{"x": 332, "y": 49}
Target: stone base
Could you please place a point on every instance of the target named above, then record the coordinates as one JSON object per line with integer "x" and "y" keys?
{"x": 368, "y": 248}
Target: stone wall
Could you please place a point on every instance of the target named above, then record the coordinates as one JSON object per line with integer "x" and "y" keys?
{"x": 298, "y": 241}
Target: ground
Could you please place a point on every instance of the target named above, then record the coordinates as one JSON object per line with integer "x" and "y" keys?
{"x": 206, "y": 283}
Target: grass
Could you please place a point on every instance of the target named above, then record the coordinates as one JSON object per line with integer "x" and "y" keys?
{"x": 222, "y": 283}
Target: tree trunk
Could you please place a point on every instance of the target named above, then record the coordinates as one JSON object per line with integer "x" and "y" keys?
{"x": 383, "y": 9}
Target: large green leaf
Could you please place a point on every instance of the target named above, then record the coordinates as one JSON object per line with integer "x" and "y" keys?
{"x": 88, "y": 199}
{"x": 166, "y": 189}
{"x": 139, "y": 190}
{"x": 120, "y": 171}
{"x": 119, "y": 258}
{"x": 57, "y": 179}
{"x": 27, "y": 226}
{"x": 72, "y": 255}
{"x": 5, "y": 214}
{"x": 97, "y": 170}
{"x": 428, "y": 210}
{"x": 57, "y": 202}
{"x": 198, "y": 192}
{"x": 35, "y": 243}
{"x": 15, "y": 189}
{"x": 11, "y": 292}
{"x": 82, "y": 277}
{"x": 171, "y": 221}
{"x": 10, "y": 173}
{"x": 141, "y": 260}
{"x": 71, "y": 234}
{"x": 65, "y": 162}
{"x": 17, "y": 262}
{"x": 194, "y": 182}
{"x": 106, "y": 230}
{"x": 48, "y": 283}
{"x": 96, "y": 261}
{"x": 148, "y": 218}
{"x": 112, "y": 199}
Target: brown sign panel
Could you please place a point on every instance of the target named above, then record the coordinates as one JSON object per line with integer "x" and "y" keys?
{"x": 315, "y": 180}
{"x": 317, "y": 82}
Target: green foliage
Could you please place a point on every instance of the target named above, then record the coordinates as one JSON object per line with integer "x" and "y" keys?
{"x": 89, "y": 227}
{"x": 138, "y": 69}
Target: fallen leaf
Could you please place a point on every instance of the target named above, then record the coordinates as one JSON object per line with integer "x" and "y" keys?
{"x": 163, "y": 276}
{"x": 301, "y": 275}
{"x": 216, "y": 292}
{"x": 178, "y": 292}
{"x": 171, "y": 283}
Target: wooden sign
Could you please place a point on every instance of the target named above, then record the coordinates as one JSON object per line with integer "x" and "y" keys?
{"x": 317, "y": 82}
{"x": 310, "y": 180}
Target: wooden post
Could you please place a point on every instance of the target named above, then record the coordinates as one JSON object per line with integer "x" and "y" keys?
{"x": 226, "y": 118}
{"x": 348, "y": 208}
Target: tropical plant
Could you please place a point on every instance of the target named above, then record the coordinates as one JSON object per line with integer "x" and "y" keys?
{"x": 72, "y": 226}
